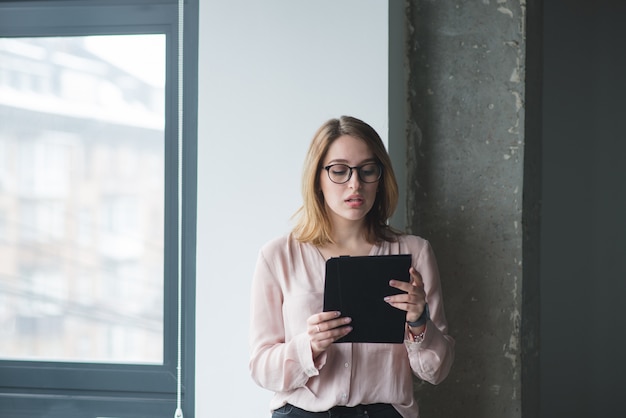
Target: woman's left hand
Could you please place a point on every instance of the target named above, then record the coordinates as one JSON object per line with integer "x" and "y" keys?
{"x": 414, "y": 300}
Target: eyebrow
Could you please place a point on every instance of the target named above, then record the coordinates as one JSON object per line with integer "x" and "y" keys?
{"x": 343, "y": 161}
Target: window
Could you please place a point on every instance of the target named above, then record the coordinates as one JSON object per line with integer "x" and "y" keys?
{"x": 89, "y": 214}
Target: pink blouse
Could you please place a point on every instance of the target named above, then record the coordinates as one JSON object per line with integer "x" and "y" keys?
{"x": 288, "y": 287}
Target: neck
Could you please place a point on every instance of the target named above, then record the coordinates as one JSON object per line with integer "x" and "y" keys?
{"x": 349, "y": 238}
{"x": 345, "y": 231}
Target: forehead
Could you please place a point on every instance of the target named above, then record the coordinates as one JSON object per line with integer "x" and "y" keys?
{"x": 349, "y": 149}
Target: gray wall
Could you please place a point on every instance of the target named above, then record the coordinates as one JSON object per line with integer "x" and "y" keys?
{"x": 583, "y": 222}
{"x": 557, "y": 256}
{"x": 466, "y": 143}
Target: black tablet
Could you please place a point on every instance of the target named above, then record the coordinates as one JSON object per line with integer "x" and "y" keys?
{"x": 356, "y": 286}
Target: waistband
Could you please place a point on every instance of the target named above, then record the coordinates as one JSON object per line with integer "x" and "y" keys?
{"x": 345, "y": 411}
{"x": 359, "y": 409}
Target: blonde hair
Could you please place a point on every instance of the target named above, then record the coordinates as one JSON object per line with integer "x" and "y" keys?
{"x": 313, "y": 224}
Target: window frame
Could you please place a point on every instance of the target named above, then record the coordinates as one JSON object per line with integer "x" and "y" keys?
{"x": 72, "y": 389}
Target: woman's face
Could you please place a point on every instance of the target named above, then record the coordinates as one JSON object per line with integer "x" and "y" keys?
{"x": 352, "y": 200}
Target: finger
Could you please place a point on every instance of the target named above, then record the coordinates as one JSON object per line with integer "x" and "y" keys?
{"x": 331, "y": 324}
{"x": 325, "y": 330}
{"x": 413, "y": 310}
{"x": 416, "y": 277}
{"x": 322, "y": 340}
{"x": 408, "y": 289}
{"x": 334, "y": 333}
{"x": 416, "y": 297}
{"x": 403, "y": 306}
{"x": 404, "y": 286}
{"x": 322, "y": 317}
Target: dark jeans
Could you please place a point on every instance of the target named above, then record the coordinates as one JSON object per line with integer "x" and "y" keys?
{"x": 377, "y": 410}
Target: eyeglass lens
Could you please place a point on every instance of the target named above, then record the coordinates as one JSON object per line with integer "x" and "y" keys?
{"x": 341, "y": 173}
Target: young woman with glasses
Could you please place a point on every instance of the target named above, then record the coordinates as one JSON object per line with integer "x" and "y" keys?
{"x": 349, "y": 192}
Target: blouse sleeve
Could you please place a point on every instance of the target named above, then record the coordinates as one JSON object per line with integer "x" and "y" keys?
{"x": 432, "y": 359}
{"x": 276, "y": 364}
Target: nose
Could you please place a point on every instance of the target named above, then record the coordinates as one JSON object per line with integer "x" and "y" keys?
{"x": 355, "y": 180}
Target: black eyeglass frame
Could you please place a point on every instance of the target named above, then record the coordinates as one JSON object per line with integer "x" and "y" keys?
{"x": 358, "y": 170}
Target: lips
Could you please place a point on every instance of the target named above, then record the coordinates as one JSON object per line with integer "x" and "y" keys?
{"x": 354, "y": 200}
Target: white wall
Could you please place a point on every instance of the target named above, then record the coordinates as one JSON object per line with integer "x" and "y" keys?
{"x": 270, "y": 73}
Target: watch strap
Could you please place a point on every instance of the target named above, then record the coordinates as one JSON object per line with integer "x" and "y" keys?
{"x": 424, "y": 317}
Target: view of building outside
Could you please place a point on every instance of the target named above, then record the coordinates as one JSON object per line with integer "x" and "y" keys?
{"x": 82, "y": 198}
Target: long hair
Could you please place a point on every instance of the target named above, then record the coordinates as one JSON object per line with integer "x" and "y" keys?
{"x": 313, "y": 224}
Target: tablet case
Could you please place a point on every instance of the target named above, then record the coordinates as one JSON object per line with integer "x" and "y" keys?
{"x": 356, "y": 286}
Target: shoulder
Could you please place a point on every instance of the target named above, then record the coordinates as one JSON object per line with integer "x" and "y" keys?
{"x": 276, "y": 245}
{"x": 284, "y": 255}
{"x": 281, "y": 246}
{"x": 276, "y": 242}
{"x": 419, "y": 247}
{"x": 412, "y": 241}
{"x": 405, "y": 244}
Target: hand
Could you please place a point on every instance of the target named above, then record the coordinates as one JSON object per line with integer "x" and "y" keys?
{"x": 325, "y": 328}
{"x": 414, "y": 300}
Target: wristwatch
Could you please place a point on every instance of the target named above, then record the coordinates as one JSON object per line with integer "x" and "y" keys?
{"x": 424, "y": 317}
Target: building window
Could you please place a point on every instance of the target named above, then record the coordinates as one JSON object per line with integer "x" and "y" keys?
{"x": 88, "y": 234}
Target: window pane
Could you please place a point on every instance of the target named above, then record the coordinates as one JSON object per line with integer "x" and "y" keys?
{"x": 82, "y": 198}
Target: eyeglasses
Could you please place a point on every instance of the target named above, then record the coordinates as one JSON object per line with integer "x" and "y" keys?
{"x": 341, "y": 173}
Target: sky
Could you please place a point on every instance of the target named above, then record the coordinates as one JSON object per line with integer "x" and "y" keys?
{"x": 140, "y": 55}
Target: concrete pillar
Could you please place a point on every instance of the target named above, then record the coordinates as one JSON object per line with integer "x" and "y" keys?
{"x": 465, "y": 164}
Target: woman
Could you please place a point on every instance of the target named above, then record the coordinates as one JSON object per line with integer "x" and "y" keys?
{"x": 349, "y": 191}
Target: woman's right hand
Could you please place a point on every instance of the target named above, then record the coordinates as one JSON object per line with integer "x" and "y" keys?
{"x": 325, "y": 328}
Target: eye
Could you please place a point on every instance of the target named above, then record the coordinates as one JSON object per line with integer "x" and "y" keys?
{"x": 370, "y": 170}
{"x": 339, "y": 169}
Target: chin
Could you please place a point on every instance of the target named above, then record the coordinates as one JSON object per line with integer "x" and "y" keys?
{"x": 355, "y": 218}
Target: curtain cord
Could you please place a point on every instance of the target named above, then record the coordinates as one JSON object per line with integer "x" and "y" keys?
{"x": 181, "y": 26}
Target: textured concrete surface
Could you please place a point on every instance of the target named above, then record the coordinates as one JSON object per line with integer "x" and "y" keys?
{"x": 465, "y": 164}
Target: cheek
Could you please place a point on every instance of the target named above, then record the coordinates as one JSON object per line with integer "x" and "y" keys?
{"x": 326, "y": 188}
